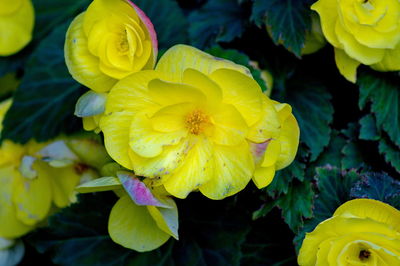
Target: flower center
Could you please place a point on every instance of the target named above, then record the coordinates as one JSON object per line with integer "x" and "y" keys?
{"x": 364, "y": 254}
{"x": 196, "y": 121}
{"x": 123, "y": 45}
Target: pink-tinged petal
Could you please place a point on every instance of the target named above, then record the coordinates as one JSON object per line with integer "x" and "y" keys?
{"x": 258, "y": 150}
{"x": 138, "y": 191}
{"x": 152, "y": 32}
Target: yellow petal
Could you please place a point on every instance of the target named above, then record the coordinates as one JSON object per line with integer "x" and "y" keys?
{"x": 32, "y": 197}
{"x": 369, "y": 208}
{"x": 131, "y": 93}
{"x": 391, "y": 60}
{"x": 115, "y": 127}
{"x": 133, "y": 227}
{"x": 347, "y": 66}
{"x": 147, "y": 142}
{"x": 4, "y": 106}
{"x": 166, "y": 218}
{"x": 268, "y": 126}
{"x": 241, "y": 91}
{"x": 83, "y": 66}
{"x": 181, "y": 57}
{"x": 263, "y": 176}
{"x": 195, "y": 171}
{"x": 328, "y": 13}
{"x": 234, "y": 168}
{"x": 11, "y": 227}
{"x": 271, "y": 154}
{"x": 16, "y": 28}
{"x": 230, "y": 128}
{"x": 289, "y": 142}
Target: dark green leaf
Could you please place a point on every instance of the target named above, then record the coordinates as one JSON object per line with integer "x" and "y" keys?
{"x": 217, "y": 21}
{"x": 314, "y": 113}
{"x": 288, "y": 21}
{"x": 78, "y": 235}
{"x": 332, "y": 154}
{"x": 384, "y": 94}
{"x": 368, "y": 130}
{"x": 44, "y": 103}
{"x": 391, "y": 153}
{"x": 334, "y": 188}
{"x": 168, "y": 20}
{"x": 379, "y": 187}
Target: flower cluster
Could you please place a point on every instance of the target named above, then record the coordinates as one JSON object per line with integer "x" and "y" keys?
{"x": 362, "y": 32}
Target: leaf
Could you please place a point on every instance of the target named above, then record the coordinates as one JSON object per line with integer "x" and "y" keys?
{"x": 288, "y": 21}
{"x": 368, "y": 130}
{"x": 43, "y": 104}
{"x": 384, "y": 95}
{"x": 379, "y": 187}
{"x": 391, "y": 153}
{"x": 332, "y": 154}
{"x": 78, "y": 235}
{"x": 168, "y": 20}
{"x": 296, "y": 204}
{"x": 100, "y": 184}
{"x": 334, "y": 188}
{"x": 314, "y": 113}
{"x": 216, "y": 21}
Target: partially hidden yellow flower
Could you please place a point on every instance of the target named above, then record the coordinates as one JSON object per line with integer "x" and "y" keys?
{"x": 17, "y": 18}
{"x": 109, "y": 41}
{"x": 362, "y": 32}
{"x": 360, "y": 232}
{"x": 190, "y": 124}
{"x": 36, "y": 177}
{"x": 144, "y": 218}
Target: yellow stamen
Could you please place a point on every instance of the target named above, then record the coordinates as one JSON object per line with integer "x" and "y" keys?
{"x": 196, "y": 121}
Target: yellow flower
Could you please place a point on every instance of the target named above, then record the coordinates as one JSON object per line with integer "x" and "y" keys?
{"x": 188, "y": 123}
{"x": 143, "y": 219}
{"x": 109, "y": 41}
{"x": 361, "y": 232}
{"x": 35, "y": 176}
{"x": 16, "y": 25}
{"x": 315, "y": 39}
{"x": 362, "y": 32}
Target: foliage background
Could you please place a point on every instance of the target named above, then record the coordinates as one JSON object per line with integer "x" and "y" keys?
{"x": 350, "y": 135}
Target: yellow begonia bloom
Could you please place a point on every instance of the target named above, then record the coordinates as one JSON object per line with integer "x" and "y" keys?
{"x": 16, "y": 25}
{"x": 361, "y": 232}
{"x": 109, "y": 41}
{"x": 190, "y": 123}
{"x": 362, "y": 32}
{"x": 36, "y": 176}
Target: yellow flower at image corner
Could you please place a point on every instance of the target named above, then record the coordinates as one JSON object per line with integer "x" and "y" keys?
{"x": 360, "y": 232}
{"x": 190, "y": 124}
{"x": 109, "y": 41}
{"x": 35, "y": 177}
{"x": 362, "y": 32}
{"x": 17, "y": 19}
{"x": 144, "y": 217}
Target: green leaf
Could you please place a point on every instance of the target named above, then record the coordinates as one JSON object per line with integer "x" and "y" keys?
{"x": 168, "y": 20}
{"x": 379, "y": 187}
{"x": 241, "y": 59}
{"x": 368, "y": 130}
{"x": 384, "y": 95}
{"x": 43, "y": 104}
{"x": 216, "y": 21}
{"x": 391, "y": 153}
{"x": 332, "y": 154}
{"x": 288, "y": 21}
{"x": 78, "y": 235}
{"x": 100, "y": 184}
{"x": 314, "y": 113}
{"x": 296, "y": 204}
{"x": 334, "y": 188}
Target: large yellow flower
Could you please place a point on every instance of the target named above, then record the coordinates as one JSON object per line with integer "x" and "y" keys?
{"x": 109, "y": 41}
{"x": 188, "y": 123}
{"x": 362, "y": 32}
{"x": 16, "y": 25}
{"x": 35, "y": 176}
{"x": 361, "y": 232}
